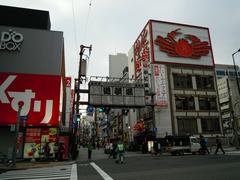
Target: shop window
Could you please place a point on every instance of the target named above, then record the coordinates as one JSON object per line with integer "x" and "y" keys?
{"x": 210, "y": 125}
{"x": 207, "y": 103}
{"x": 205, "y": 82}
{"x": 185, "y": 103}
{"x": 182, "y": 81}
{"x": 187, "y": 125}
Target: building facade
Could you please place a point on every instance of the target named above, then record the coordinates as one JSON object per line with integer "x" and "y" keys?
{"x": 228, "y": 96}
{"x": 32, "y": 73}
{"x": 176, "y": 63}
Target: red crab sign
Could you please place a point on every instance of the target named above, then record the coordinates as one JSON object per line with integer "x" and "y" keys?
{"x": 188, "y": 46}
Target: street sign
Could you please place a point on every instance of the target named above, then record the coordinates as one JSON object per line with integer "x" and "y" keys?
{"x": 90, "y": 109}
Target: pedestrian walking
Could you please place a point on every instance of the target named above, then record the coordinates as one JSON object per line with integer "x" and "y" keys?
{"x": 203, "y": 145}
{"x": 155, "y": 148}
{"x": 114, "y": 149}
{"x": 90, "y": 148}
{"x": 120, "y": 152}
{"x": 61, "y": 151}
{"x": 55, "y": 150}
{"x": 98, "y": 144}
{"x": 159, "y": 148}
{"x": 47, "y": 151}
{"x": 110, "y": 150}
{"x": 219, "y": 145}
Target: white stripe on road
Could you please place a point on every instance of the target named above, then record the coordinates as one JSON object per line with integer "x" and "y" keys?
{"x": 74, "y": 172}
{"x": 101, "y": 172}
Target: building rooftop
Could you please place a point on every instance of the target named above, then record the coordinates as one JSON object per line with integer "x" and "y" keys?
{"x": 26, "y": 18}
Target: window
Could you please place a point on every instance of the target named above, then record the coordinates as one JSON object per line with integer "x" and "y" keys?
{"x": 118, "y": 91}
{"x": 220, "y": 73}
{"x": 185, "y": 103}
{"x": 210, "y": 125}
{"x": 106, "y": 90}
{"x": 232, "y": 73}
{"x": 207, "y": 103}
{"x": 129, "y": 91}
{"x": 182, "y": 81}
{"x": 205, "y": 82}
{"x": 187, "y": 125}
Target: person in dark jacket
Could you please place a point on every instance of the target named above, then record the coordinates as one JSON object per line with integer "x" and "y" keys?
{"x": 203, "y": 144}
{"x": 90, "y": 148}
{"x": 219, "y": 145}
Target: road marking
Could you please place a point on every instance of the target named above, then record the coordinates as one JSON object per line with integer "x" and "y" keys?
{"x": 74, "y": 172}
{"x": 104, "y": 175}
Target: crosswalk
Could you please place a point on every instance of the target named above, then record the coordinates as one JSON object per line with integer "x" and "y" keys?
{"x": 236, "y": 153}
{"x": 50, "y": 173}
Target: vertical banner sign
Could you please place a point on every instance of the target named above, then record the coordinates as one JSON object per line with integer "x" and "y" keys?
{"x": 142, "y": 55}
{"x": 161, "y": 99}
{"x": 40, "y": 95}
{"x": 68, "y": 101}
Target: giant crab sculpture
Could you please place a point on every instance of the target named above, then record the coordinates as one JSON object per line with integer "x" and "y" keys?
{"x": 189, "y": 46}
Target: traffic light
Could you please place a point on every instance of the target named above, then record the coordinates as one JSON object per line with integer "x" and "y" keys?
{"x": 78, "y": 117}
{"x": 101, "y": 109}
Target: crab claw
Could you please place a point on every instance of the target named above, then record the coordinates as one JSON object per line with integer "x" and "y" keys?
{"x": 194, "y": 39}
{"x": 174, "y": 33}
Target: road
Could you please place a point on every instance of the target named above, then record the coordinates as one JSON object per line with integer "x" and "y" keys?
{"x": 138, "y": 166}
{"x": 144, "y": 167}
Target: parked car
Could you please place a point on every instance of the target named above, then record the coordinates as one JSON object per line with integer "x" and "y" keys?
{"x": 178, "y": 145}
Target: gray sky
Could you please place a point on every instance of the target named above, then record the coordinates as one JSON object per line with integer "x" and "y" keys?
{"x": 113, "y": 25}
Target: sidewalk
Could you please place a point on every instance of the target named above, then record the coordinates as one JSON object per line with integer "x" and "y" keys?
{"x": 37, "y": 164}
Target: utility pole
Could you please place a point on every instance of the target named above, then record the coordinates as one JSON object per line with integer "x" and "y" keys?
{"x": 14, "y": 155}
{"x": 76, "y": 103}
{"x": 81, "y": 74}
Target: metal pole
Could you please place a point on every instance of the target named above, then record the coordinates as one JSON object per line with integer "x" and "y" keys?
{"x": 16, "y": 135}
{"x": 235, "y": 129}
{"x": 236, "y": 73}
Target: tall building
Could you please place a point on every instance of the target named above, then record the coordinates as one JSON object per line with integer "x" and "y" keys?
{"x": 176, "y": 63}
{"x": 32, "y": 80}
{"x": 229, "y": 97}
{"x": 117, "y": 64}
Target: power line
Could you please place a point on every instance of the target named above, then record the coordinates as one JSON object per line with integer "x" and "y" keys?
{"x": 74, "y": 28}
{"x": 87, "y": 20}
{"x": 86, "y": 26}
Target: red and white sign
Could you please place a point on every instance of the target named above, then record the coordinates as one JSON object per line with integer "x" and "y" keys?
{"x": 68, "y": 101}
{"x": 142, "y": 52}
{"x": 40, "y": 95}
{"x": 160, "y": 81}
{"x": 180, "y": 44}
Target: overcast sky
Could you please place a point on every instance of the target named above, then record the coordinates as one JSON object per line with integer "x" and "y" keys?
{"x": 113, "y": 25}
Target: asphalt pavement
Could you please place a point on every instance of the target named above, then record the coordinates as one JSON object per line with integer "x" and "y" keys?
{"x": 136, "y": 165}
{"x": 144, "y": 166}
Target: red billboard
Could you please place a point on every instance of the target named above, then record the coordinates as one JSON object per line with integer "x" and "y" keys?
{"x": 40, "y": 95}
